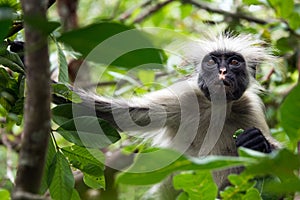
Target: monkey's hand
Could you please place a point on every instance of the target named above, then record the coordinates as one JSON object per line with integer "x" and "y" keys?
{"x": 253, "y": 139}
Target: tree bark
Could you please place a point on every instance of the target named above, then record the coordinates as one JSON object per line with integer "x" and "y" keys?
{"x": 37, "y": 105}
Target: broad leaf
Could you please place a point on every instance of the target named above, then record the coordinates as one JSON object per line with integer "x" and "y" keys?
{"x": 63, "y": 75}
{"x": 283, "y": 8}
{"x": 153, "y": 167}
{"x": 62, "y": 90}
{"x": 12, "y": 61}
{"x": 64, "y": 112}
{"x": 61, "y": 179}
{"x": 90, "y": 161}
{"x": 198, "y": 185}
{"x": 4, "y": 194}
{"x": 41, "y": 24}
{"x": 116, "y": 45}
{"x": 49, "y": 159}
{"x": 75, "y": 195}
{"x": 5, "y": 21}
{"x": 95, "y": 182}
{"x": 289, "y": 114}
{"x": 89, "y": 132}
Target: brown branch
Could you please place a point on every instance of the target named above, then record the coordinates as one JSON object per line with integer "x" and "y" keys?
{"x": 129, "y": 12}
{"x": 18, "y": 26}
{"x": 37, "y": 105}
{"x": 67, "y": 10}
{"x": 152, "y": 10}
{"x": 225, "y": 13}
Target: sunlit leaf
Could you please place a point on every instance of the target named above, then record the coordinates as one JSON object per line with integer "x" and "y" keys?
{"x": 198, "y": 185}
{"x": 283, "y": 8}
{"x": 63, "y": 75}
{"x": 146, "y": 76}
{"x": 95, "y": 182}
{"x": 153, "y": 167}
{"x": 4, "y": 194}
{"x": 289, "y": 114}
{"x": 90, "y": 161}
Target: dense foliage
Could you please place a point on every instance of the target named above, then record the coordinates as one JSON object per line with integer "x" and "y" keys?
{"x": 135, "y": 65}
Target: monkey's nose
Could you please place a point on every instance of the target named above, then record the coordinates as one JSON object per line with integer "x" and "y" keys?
{"x": 222, "y": 70}
{"x": 222, "y": 73}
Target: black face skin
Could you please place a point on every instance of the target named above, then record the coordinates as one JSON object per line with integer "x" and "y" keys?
{"x": 224, "y": 70}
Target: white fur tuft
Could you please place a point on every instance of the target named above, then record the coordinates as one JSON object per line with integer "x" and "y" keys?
{"x": 251, "y": 49}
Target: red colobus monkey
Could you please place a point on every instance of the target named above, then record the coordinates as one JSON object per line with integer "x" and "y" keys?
{"x": 199, "y": 115}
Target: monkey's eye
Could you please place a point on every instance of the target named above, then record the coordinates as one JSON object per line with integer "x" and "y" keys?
{"x": 211, "y": 62}
{"x": 234, "y": 62}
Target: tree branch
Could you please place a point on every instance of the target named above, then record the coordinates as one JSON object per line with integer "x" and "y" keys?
{"x": 225, "y": 13}
{"x": 37, "y": 105}
{"x": 17, "y": 26}
{"x": 129, "y": 12}
{"x": 152, "y": 10}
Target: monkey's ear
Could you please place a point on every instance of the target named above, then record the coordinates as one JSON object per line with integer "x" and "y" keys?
{"x": 253, "y": 139}
{"x": 253, "y": 70}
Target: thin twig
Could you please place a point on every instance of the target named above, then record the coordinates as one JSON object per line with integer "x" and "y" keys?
{"x": 152, "y": 10}
{"x": 129, "y": 12}
{"x": 267, "y": 77}
{"x": 225, "y": 13}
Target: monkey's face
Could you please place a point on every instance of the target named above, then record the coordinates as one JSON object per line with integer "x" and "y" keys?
{"x": 223, "y": 71}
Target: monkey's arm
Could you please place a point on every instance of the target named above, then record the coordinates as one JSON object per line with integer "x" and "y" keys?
{"x": 254, "y": 139}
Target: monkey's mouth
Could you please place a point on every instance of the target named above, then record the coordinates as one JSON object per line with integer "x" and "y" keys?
{"x": 227, "y": 83}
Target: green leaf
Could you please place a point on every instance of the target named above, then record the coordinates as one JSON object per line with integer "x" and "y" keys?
{"x": 12, "y": 61}
{"x": 183, "y": 196}
{"x": 198, "y": 185}
{"x": 241, "y": 181}
{"x": 146, "y": 76}
{"x": 75, "y": 195}
{"x": 90, "y": 161}
{"x": 95, "y": 182}
{"x": 63, "y": 91}
{"x": 253, "y": 2}
{"x": 63, "y": 75}
{"x": 153, "y": 167}
{"x": 61, "y": 179}
{"x": 4, "y": 194}
{"x": 5, "y": 21}
{"x": 49, "y": 160}
{"x": 283, "y": 8}
{"x": 277, "y": 158}
{"x": 186, "y": 10}
{"x": 64, "y": 112}
{"x": 294, "y": 21}
{"x": 231, "y": 193}
{"x": 289, "y": 115}
{"x": 113, "y": 44}
{"x": 251, "y": 194}
{"x": 89, "y": 131}
{"x": 41, "y": 23}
